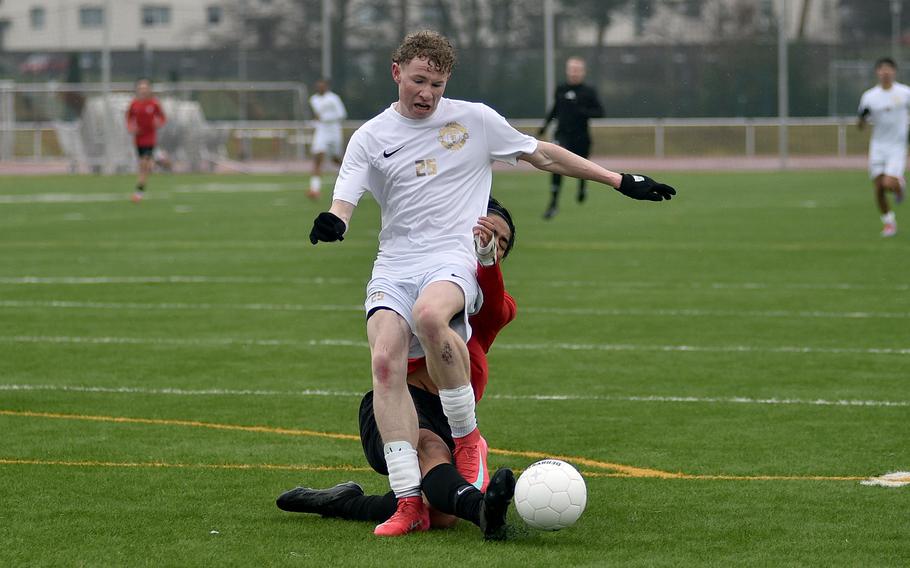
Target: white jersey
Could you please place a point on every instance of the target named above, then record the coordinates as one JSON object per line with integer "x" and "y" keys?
{"x": 888, "y": 113}
{"x": 431, "y": 178}
{"x": 329, "y": 111}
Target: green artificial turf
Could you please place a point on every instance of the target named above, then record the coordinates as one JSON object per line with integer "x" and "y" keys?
{"x": 754, "y": 327}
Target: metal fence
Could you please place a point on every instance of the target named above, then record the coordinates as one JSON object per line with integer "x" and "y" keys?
{"x": 657, "y": 138}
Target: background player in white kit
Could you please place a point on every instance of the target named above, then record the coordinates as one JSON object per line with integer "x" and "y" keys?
{"x": 426, "y": 161}
{"x": 328, "y": 112}
{"x": 886, "y": 106}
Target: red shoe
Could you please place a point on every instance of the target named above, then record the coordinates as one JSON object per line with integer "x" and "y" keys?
{"x": 471, "y": 459}
{"x": 314, "y": 195}
{"x": 412, "y": 515}
{"x": 137, "y": 197}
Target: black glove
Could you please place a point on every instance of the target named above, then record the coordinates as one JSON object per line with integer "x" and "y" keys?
{"x": 327, "y": 228}
{"x": 644, "y": 188}
{"x": 865, "y": 114}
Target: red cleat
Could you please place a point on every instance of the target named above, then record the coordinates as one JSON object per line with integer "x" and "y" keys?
{"x": 137, "y": 197}
{"x": 313, "y": 194}
{"x": 471, "y": 459}
{"x": 412, "y": 515}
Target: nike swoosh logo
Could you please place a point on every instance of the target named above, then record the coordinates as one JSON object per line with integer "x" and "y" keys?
{"x": 460, "y": 491}
{"x": 479, "y": 483}
{"x": 388, "y": 154}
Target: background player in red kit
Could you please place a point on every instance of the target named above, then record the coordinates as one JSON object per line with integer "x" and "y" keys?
{"x": 449, "y": 494}
{"x": 143, "y": 119}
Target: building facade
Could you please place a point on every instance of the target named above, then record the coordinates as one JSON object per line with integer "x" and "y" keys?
{"x": 78, "y": 25}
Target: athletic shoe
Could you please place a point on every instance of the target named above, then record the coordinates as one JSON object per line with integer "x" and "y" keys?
{"x": 412, "y": 515}
{"x": 314, "y": 195}
{"x": 889, "y": 230}
{"x": 137, "y": 197}
{"x": 550, "y": 213}
{"x": 323, "y": 502}
{"x": 496, "y": 504}
{"x": 471, "y": 459}
{"x": 582, "y": 194}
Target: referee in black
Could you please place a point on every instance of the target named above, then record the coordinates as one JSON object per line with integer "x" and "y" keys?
{"x": 575, "y": 103}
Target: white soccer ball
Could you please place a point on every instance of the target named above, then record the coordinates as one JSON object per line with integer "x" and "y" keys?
{"x": 550, "y": 495}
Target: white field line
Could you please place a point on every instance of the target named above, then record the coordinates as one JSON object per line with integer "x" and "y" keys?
{"x": 532, "y": 397}
{"x": 210, "y": 342}
{"x": 63, "y": 198}
{"x": 198, "y": 279}
{"x": 181, "y": 306}
{"x": 175, "y": 279}
{"x": 555, "y": 346}
{"x": 9, "y": 199}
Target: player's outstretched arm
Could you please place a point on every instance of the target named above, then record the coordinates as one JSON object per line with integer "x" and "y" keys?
{"x": 331, "y": 225}
{"x": 556, "y": 159}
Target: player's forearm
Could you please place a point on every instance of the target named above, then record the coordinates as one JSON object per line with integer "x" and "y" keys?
{"x": 555, "y": 159}
{"x": 343, "y": 210}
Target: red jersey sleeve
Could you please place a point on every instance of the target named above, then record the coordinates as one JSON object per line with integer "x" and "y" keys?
{"x": 498, "y": 306}
{"x": 159, "y": 112}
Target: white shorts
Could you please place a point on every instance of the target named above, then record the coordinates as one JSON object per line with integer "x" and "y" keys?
{"x": 400, "y": 294}
{"x": 327, "y": 141}
{"x": 889, "y": 160}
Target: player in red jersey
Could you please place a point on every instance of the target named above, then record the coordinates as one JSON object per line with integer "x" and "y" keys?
{"x": 482, "y": 501}
{"x": 143, "y": 119}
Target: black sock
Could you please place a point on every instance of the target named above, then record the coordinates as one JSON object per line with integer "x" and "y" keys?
{"x": 449, "y": 493}
{"x": 376, "y": 508}
{"x": 581, "y": 185}
{"x": 555, "y": 187}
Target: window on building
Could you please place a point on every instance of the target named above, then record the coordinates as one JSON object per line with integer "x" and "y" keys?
{"x": 36, "y": 18}
{"x": 502, "y": 13}
{"x": 154, "y": 16}
{"x": 213, "y": 15}
{"x": 91, "y": 17}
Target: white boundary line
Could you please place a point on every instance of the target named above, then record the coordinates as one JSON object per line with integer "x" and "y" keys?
{"x": 533, "y": 397}
{"x": 227, "y": 341}
{"x": 200, "y": 279}
{"x": 175, "y": 279}
{"x": 30, "y": 198}
{"x": 177, "y": 306}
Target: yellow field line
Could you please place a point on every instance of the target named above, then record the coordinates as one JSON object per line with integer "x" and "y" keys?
{"x": 627, "y": 470}
{"x": 712, "y": 477}
{"x": 618, "y": 470}
{"x": 266, "y": 466}
{"x": 191, "y": 423}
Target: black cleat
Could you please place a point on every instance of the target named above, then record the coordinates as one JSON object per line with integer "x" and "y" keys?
{"x": 582, "y": 194}
{"x": 323, "y": 502}
{"x": 550, "y": 212}
{"x": 496, "y": 504}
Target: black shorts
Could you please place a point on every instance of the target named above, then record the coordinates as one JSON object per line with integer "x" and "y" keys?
{"x": 429, "y": 417}
{"x": 145, "y": 151}
{"x": 576, "y": 144}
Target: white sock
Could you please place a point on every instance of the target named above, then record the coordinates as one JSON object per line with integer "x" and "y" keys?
{"x": 888, "y": 218}
{"x": 404, "y": 469}
{"x": 315, "y": 183}
{"x": 458, "y": 406}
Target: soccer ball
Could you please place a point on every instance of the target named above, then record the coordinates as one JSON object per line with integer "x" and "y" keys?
{"x": 550, "y": 495}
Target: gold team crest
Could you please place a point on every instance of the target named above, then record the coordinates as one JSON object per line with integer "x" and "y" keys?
{"x": 453, "y": 136}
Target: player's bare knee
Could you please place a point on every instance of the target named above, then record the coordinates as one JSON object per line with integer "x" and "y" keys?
{"x": 429, "y": 322}
{"x": 384, "y": 366}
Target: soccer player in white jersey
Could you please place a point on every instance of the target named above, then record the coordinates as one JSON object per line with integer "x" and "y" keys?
{"x": 886, "y": 106}
{"x": 328, "y": 112}
{"x": 427, "y": 162}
